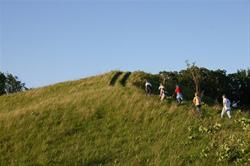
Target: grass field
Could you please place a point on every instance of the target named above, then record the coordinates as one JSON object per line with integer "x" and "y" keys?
{"x": 104, "y": 120}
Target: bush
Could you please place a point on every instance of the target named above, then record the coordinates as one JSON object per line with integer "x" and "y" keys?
{"x": 139, "y": 78}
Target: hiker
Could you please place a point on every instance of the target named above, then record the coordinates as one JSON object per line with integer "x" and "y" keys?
{"x": 179, "y": 96}
{"x": 162, "y": 92}
{"x": 197, "y": 102}
{"x": 226, "y": 107}
{"x": 148, "y": 88}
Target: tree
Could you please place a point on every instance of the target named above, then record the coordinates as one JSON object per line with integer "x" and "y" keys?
{"x": 10, "y": 84}
{"x": 169, "y": 80}
{"x": 240, "y": 86}
{"x": 196, "y": 76}
{"x": 2, "y": 83}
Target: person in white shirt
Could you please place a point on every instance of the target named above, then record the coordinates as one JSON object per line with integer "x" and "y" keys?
{"x": 226, "y": 107}
{"x": 162, "y": 92}
{"x": 148, "y": 88}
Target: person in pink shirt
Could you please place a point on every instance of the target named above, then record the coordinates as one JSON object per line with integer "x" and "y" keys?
{"x": 162, "y": 92}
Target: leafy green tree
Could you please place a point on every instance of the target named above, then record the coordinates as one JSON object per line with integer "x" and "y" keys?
{"x": 2, "y": 83}
{"x": 13, "y": 84}
{"x": 169, "y": 80}
{"x": 212, "y": 84}
{"x": 240, "y": 86}
{"x": 10, "y": 84}
{"x": 196, "y": 76}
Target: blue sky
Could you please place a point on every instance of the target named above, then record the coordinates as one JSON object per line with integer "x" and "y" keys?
{"x": 48, "y": 41}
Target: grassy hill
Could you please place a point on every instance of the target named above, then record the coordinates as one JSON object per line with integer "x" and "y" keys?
{"x": 108, "y": 120}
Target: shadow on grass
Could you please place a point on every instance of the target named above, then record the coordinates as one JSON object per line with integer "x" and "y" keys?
{"x": 114, "y": 78}
{"x": 98, "y": 161}
{"x": 123, "y": 81}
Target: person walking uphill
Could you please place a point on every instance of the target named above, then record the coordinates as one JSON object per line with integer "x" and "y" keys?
{"x": 162, "y": 92}
{"x": 226, "y": 107}
{"x": 148, "y": 87}
{"x": 179, "y": 96}
{"x": 197, "y": 103}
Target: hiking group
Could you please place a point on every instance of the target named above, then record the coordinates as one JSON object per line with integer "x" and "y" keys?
{"x": 196, "y": 100}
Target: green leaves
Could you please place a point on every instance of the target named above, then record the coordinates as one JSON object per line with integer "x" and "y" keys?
{"x": 244, "y": 122}
{"x": 10, "y": 84}
{"x": 233, "y": 150}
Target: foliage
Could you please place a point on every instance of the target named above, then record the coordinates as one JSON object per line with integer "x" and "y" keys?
{"x": 138, "y": 79}
{"x": 10, "y": 84}
{"x": 244, "y": 122}
{"x": 213, "y": 84}
{"x": 233, "y": 150}
{"x": 196, "y": 76}
{"x": 2, "y": 83}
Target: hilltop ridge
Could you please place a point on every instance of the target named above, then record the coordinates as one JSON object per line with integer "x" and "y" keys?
{"x": 108, "y": 120}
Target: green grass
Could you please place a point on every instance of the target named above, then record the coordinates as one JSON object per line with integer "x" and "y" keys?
{"x": 89, "y": 122}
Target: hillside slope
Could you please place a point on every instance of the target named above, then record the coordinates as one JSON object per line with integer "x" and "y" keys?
{"x": 104, "y": 120}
